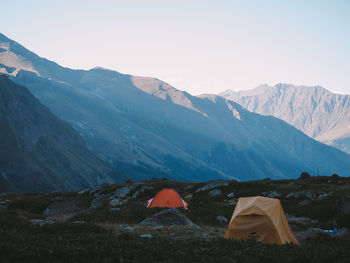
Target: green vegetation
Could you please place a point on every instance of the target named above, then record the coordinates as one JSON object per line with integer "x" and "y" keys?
{"x": 102, "y": 235}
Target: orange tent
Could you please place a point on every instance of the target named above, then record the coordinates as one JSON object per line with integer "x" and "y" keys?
{"x": 167, "y": 198}
{"x": 262, "y": 218}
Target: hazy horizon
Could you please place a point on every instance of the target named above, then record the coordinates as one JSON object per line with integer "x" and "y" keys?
{"x": 199, "y": 47}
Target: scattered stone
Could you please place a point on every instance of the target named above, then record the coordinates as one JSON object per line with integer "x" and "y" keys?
{"x": 271, "y": 194}
{"x": 85, "y": 191}
{"x": 301, "y": 220}
{"x": 64, "y": 205}
{"x": 117, "y": 202}
{"x": 314, "y": 230}
{"x": 231, "y": 195}
{"x": 37, "y": 222}
{"x": 305, "y": 202}
{"x": 300, "y": 194}
{"x": 146, "y": 187}
{"x": 97, "y": 202}
{"x": 189, "y": 187}
{"x": 114, "y": 209}
{"x": 123, "y": 192}
{"x": 135, "y": 195}
{"x": 188, "y": 196}
{"x": 146, "y": 236}
{"x": 171, "y": 216}
{"x": 158, "y": 227}
{"x": 232, "y": 202}
{"x": 323, "y": 196}
{"x": 204, "y": 234}
{"x": 215, "y": 192}
{"x": 127, "y": 228}
{"x": 212, "y": 185}
{"x": 78, "y": 222}
{"x": 222, "y": 219}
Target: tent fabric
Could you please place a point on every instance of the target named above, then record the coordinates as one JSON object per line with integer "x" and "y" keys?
{"x": 167, "y": 198}
{"x": 262, "y": 218}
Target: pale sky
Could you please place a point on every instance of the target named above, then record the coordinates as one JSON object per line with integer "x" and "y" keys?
{"x": 198, "y": 46}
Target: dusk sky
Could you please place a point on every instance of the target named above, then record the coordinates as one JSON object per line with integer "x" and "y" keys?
{"x": 197, "y": 46}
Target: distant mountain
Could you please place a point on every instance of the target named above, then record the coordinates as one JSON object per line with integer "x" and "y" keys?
{"x": 317, "y": 112}
{"x": 40, "y": 152}
{"x": 147, "y": 128}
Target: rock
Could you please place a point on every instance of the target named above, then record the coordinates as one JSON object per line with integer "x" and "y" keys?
{"x": 232, "y": 202}
{"x": 271, "y": 194}
{"x": 300, "y": 194}
{"x": 64, "y": 205}
{"x": 301, "y": 220}
{"x": 3, "y": 204}
{"x": 212, "y": 185}
{"x": 127, "y": 228}
{"x": 189, "y": 187}
{"x": 215, "y": 192}
{"x": 123, "y": 192}
{"x": 305, "y": 202}
{"x": 117, "y": 202}
{"x": 136, "y": 194}
{"x": 146, "y": 187}
{"x": 343, "y": 205}
{"x": 114, "y": 209}
{"x": 290, "y": 195}
{"x": 157, "y": 227}
{"x": 188, "y": 196}
{"x": 323, "y": 196}
{"x": 146, "y": 236}
{"x": 342, "y": 232}
{"x": 314, "y": 230}
{"x": 231, "y": 195}
{"x": 38, "y": 222}
{"x": 97, "y": 202}
{"x": 79, "y": 222}
{"x": 222, "y": 219}
{"x": 85, "y": 191}
{"x": 171, "y": 216}
{"x": 204, "y": 234}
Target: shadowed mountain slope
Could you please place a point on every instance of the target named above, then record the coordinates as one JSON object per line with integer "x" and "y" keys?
{"x": 40, "y": 152}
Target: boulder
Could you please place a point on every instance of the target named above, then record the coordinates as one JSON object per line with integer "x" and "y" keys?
{"x": 146, "y": 236}
{"x": 231, "y": 195}
{"x": 271, "y": 194}
{"x": 171, "y": 216}
{"x": 97, "y": 202}
{"x": 301, "y": 220}
{"x": 212, "y": 185}
{"x": 223, "y": 220}
{"x": 305, "y": 202}
{"x": 123, "y": 192}
{"x": 215, "y": 192}
{"x": 64, "y": 205}
{"x": 301, "y": 194}
{"x": 117, "y": 202}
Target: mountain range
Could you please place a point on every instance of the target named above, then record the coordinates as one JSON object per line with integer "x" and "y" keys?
{"x": 146, "y": 128}
{"x": 315, "y": 111}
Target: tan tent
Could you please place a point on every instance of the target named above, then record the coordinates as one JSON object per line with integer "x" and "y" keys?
{"x": 262, "y": 218}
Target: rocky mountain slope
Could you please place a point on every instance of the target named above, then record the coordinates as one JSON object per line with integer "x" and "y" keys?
{"x": 111, "y": 223}
{"x": 146, "y": 128}
{"x": 40, "y": 152}
{"x": 317, "y": 112}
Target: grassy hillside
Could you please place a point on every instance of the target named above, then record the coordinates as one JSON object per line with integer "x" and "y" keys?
{"x": 103, "y": 224}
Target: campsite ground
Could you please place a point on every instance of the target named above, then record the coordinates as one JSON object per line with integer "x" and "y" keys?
{"x": 103, "y": 224}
